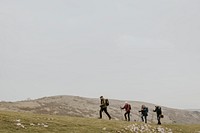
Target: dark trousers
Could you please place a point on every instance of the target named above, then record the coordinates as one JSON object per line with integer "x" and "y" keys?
{"x": 105, "y": 110}
{"x": 127, "y": 114}
{"x": 158, "y": 118}
{"x": 144, "y": 118}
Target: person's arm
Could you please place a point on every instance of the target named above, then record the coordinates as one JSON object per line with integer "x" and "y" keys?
{"x": 123, "y": 107}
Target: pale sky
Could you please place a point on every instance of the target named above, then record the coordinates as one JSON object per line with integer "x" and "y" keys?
{"x": 144, "y": 50}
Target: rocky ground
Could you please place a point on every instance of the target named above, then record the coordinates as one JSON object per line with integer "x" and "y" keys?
{"x": 143, "y": 128}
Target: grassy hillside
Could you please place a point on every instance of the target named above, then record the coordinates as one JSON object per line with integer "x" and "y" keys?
{"x": 12, "y": 122}
{"x": 89, "y": 108}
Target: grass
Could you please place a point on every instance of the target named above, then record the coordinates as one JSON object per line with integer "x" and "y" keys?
{"x": 190, "y": 128}
{"x": 36, "y": 123}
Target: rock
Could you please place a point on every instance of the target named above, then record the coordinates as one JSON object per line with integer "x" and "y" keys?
{"x": 18, "y": 124}
{"x": 46, "y": 126}
{"x": 32, "y": 124}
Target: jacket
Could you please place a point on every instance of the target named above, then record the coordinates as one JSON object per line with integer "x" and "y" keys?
{"x": 144, "y": 111}
{"x": 127, "y": 107}
{"x": 103, "y": 103}
{"x": 158, "y": 110}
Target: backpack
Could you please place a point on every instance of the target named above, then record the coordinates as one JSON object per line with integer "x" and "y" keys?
{"x": 159, "y": 110}
{"x": 147, "y": 109}
{"x": 107, "y": 102}
{"x": 129, "y": 106}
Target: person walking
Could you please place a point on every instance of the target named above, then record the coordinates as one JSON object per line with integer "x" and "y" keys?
{"x": 144, "y": 113}
{"x": 103, "y": 107}
{"x": 159, "y": 113}
{"x": 127, "y": 108}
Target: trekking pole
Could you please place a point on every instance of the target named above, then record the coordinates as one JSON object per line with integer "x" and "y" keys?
{"x": 122, "y": 114}
{"x": 135, "y": 118}
{"x": 139, "y": 116}
{"x": 152, "y": 117}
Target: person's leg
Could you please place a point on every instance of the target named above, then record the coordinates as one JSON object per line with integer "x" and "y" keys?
{"x": 100, "y": 113}
{"x": 142, "y": 118}
{"x": 158, "y": 117}
{"x": 125, "y": 116}
{"x": 105, "y": 110}
{"x": 159, "y": 121}
{"x": 128, "y": 113}
{"x": 145, "y": 117}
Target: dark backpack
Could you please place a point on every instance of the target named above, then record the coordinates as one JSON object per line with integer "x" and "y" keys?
{"x": 129, "y": 106}
{"x": 107, "y": 102}
{"x": 159, "y": 111}
{"x": 147, "y": 109}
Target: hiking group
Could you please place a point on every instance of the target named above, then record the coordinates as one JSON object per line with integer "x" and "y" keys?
{"x": 127, "y": 107}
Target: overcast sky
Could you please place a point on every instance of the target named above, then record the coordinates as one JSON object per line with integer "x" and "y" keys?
{"x": 144, "y": 50}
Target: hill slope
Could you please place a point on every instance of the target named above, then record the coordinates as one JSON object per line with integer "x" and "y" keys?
{"x": 16, "y": 122}
{"x": 88, "y": 107}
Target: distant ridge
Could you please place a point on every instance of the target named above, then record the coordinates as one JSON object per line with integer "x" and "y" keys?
{"x": 89, "y": 107}
{"x": 198, "y": 110}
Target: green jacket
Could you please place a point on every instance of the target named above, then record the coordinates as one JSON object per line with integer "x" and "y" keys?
{"x": 103, "y": 103}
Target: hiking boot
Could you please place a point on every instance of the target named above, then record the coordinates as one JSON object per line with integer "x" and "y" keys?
{"x": 110, "y": 118}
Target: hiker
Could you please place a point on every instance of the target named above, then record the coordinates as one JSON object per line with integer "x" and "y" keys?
{"x": 144, "y": 113}
{"x": 127, "y": 108}
{"x": 103, "y": 107}
{"x": 159, "y": 113}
